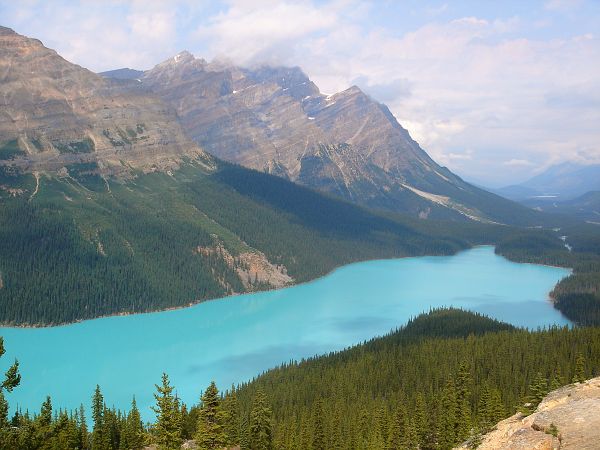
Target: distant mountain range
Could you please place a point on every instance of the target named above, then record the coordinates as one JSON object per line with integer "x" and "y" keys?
{"x": 585, "y": 207}
{"x": 275, "y": 119}
{"x": 568, "y": 189}
{"x": 560, "y": 182}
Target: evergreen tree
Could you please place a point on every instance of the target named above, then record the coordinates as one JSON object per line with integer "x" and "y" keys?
{"x": 579, "y": 375}
{"x": 364, "y": 428}
{"x": 411, "y": 438}
{"x": 99, "y": 436}
{"x": 382, "y": 421}
{"x": 336, "y": 430}
{"x": 245, "y": 442}
{"x": 420, "y": 417}
{"x": 495, "y": 406}
{"x": 12, "y": 378}
{"x": 463, "y": 399}
{"x": 318, "y": 441}
{"x": 483, "y": 412}
{"x": 232, "y": 420}
{"x": 261, "y": 431}
{"x": 3, "y": 412}
{"x": 112, "y": 427}
{"x": 557, "y": 380}
{"x": 397, "y": 430}
{"x": 133, "y": 431}
{"x": 45, "y": 417}
{"x": 448, "y": 415}
{"x": 210, "y": 432}
{"x": 168, "y": 418}
{"x": 305, "y": 432}
{"x": 538, "y": 389}
{"x": 464, "y": 380}
{"x": 83, "y": 431}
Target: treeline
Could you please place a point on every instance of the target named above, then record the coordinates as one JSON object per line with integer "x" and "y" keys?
{"x": 444, "y": 378}
{"x": 577, "y": 296}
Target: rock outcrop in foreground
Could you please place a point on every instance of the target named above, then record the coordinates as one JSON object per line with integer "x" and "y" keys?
{"x": 568, "y": 418}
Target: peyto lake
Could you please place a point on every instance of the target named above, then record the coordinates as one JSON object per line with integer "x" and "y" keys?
{"x": 233, "y": 339}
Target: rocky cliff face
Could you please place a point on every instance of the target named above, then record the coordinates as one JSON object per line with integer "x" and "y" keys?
{"x": 276, "y": 120}
{"x": 568, "y": 418}
{"x": 54, "y": 113}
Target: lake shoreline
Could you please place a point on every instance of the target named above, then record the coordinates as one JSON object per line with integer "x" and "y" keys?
{"x": 235, "y": 339}
{"x": 237, "y": 294}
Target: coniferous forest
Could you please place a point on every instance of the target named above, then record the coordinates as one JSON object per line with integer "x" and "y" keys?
{"x": 89, "y": 251}
{"x": 577, "y": 296}
{"x": 444, "y": 378}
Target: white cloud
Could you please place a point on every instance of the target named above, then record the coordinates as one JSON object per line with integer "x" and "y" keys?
{"x": 476, "y": 82}
{"x": 461, "y": 156}
{"x": 100, "y": 35}
{"x": 518, "y": 163}
{"x": 472, "y": 88}
{"x": 263, "y": 31}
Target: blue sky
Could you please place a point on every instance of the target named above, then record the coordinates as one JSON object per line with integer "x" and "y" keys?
{"x": 497, "y": 91}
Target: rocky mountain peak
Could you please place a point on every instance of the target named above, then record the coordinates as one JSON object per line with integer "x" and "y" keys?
{"x": 353, "y": 90}
{"x": 4, "y": 31}
{"x": 60, "y": 114}
{"x": 275, "y": 119}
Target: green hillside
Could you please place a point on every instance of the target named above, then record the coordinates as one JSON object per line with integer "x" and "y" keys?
{"x": 81, "y": 246}
{"x": 445, "y": 377}
{"x": 578, "y": 295}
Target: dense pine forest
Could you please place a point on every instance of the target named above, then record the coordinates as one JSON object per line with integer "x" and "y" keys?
{"x": 444, "y": 378}
{"x": 577, "y": 296}
{"x": 90, "y": 247}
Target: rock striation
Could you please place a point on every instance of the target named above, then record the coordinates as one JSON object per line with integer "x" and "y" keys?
{"x": 54, "y": 113}
{"x": 568, "y": 418}
{"x": 276, "y": 120}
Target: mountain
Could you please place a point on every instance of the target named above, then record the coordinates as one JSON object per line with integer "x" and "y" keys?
{"x": 560, "y": 182}
{"x": 568, "y": 189}
{"x": 585, "y": 207}
{"x": 58, "y": 113}
{"x": 123, "y": 74}
{"x": 108, "y": 208}
{"x": 276, "y": 120}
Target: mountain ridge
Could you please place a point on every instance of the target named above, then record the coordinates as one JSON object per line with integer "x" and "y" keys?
{"x": 58, "y": 113}
{"x": 276, "y": 120}
{"x": 562, "y": 182}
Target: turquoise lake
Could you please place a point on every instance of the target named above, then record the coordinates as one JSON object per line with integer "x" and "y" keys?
{"x": 233, "y": 339}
